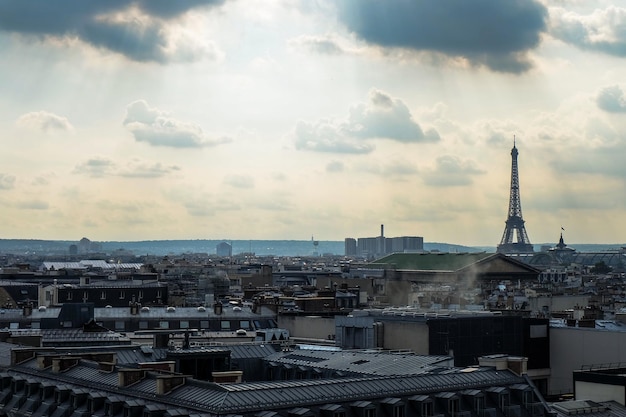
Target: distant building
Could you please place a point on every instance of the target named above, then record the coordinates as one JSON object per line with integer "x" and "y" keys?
{"x": 350, "y": 246}
{"x": 371, "y": 247}
{"x": 224, "y": 249}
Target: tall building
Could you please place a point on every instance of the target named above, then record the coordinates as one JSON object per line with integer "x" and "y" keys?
{"x": 224, "y": 249}
{"x": 371, "y": 247}
{"x": 350, "y": 246}
{"x": 515, "y": 239}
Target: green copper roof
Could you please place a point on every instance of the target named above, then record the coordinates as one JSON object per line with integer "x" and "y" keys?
{"x": 430, "y": 261}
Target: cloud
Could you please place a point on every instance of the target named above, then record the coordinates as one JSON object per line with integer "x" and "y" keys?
{"x": 450, "y": 171}
{"x": 606, "y": 160}
{"x": 205, "y": 205}
{"x": 400, "y": 169}
{"x": 155, "y": 127}
{"x": 489, "y": 33}
{"x": 239, "y": 181}
{"x": 335, "y": 166}
{"x": 139, "y": 169}
{"x": 95, "y": 167}
{"x": 7, "y": 182}
{"x": 103, "y": 167}
{"x": 137, "y": 29}
{"x": 601, "y": 31}
{"x": 318, "y": 44}
{"x": 32, "y": 205}
{"x": 386, "y": 117}
{"x": 382, "y": 117}
{"x": 43, "y": 120}
{"x": 325, "y": 136}
{"x": 612, "y": 100}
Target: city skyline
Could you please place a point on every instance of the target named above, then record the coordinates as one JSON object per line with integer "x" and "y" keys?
{"x": 140, "y": 120}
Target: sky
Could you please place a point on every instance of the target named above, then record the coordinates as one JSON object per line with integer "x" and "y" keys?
{"x": 286, "y": 119}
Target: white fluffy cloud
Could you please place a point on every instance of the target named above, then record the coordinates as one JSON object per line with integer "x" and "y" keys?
{"x": 602, "y": 30}
{"x": 157, "y": 128}
{"x": 45, "y": 121}
{"x": 381, "y": 117}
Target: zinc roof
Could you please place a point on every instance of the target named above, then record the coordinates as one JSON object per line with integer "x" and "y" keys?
{"x": 431, "y": 261}
{"x": 360, "y": 362}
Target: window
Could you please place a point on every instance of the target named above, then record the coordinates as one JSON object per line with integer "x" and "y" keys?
{"x": 369, "y": 412}
{"x": 204, "y": 324}
{"x": 184, "y": 324}
{"x": 503, "y": 400}
{"x": 537, "y": 331}
{"x": 164, "y": 324}
{"x": 225, "y": 325}
{"x": 398, "y": 411}
{"x": 119, "y": 325}
{"x": 244, "y": 324}
{"x": 143, "y": 325}
{"x": 453, "y": 406}
{"x": 479, "y": 404}
{"x": 427, "y": 409}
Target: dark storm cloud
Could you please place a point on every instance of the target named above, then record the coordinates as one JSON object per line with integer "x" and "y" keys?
{"x": 172, "y": 8}
{"x": 493, "y": 33}
{"x": 612, "y": 100}
{"x": 135, "y": 39}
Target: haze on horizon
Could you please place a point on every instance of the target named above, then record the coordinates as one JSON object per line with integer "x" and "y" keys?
{"x": 281, "y": 119}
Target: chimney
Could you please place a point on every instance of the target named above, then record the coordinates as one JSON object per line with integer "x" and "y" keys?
{"x": 382, "y": 230}
{"x": 166, "y": 383}
{"x": 127, "y": 377}
{"x": 227, "y": 377}
{"x": 134, "y": 308}
{"x": 63, "y": 363}
{"x": 217, "y": 308}
{"x": 163, "y": 366}
{"x": 18, "y": 356}
{"x": 27, "y": 310}
{"x": 107, "y": 367}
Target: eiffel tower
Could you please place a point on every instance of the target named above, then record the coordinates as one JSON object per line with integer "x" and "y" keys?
{"x": 515, "y": 223}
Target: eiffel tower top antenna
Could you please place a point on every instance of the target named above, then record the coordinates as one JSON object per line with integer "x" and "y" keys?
{"x": 515, "y": 239}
